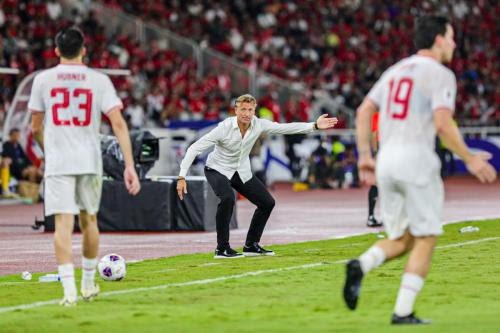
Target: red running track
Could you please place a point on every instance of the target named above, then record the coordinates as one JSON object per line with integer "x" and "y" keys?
{"x": 298, "y": 216}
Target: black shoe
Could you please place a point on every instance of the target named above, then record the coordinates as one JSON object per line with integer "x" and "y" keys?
{"x": 228, "y": 253}
{"x": 256, "y": 250}
{"x": 354, "y": 275}
{"x": 408, "y": 320}
{"x": 372, "y": 222}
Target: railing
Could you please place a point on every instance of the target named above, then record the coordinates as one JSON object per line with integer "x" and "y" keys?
{"x": 242, "y": 78}
{"x": 17, "y": 114}
{"x": 185, "y": 47}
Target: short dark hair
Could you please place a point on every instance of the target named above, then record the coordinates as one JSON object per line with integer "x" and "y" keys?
{"x": 69, "y": 41}
{"x": 428, "y": 27}
{"x": 14, "y": 130}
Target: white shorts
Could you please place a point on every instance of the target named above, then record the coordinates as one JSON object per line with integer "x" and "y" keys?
{"x": 405, "y": 206}
{"x": 73, "y": 193}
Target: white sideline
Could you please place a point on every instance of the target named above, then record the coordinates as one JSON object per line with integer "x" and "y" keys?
{"x": 218, "y": 279}
{"x": 170, "y": 285}
{"x": 467, "y": 243}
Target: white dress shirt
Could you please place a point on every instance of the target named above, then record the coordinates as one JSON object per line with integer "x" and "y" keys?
{"x": 231, "y": 150}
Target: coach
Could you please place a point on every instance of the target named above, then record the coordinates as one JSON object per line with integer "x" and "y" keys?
{"x": 228, "y": 167}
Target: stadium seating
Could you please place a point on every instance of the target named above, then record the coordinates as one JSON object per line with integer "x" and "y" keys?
{"x": 340, "y": 46}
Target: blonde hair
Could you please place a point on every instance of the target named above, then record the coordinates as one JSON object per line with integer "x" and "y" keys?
{"x": 247, "y": 98}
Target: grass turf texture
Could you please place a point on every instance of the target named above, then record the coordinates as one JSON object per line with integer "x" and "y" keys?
{"x": 461, "y": 293}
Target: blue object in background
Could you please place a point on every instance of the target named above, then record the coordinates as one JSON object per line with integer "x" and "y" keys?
{"x": 192, "y": 124}
{"x": 484, "y": 145}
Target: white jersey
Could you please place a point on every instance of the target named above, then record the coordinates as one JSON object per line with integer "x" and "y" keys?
{"x": 231, "y": 153}
{"x": 73, "y": 97}
{"x": 407, "y": 95}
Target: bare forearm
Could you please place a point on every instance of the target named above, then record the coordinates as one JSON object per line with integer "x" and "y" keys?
{"x": 452, "y": 139}
{"x": 122, "y": 135}
{"x": 450, "y": 135}
{"x": 38, "y": 136}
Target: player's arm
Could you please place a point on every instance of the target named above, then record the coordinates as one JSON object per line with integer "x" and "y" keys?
{"x": 443, "y": 105}
{"x": 366, "y": 163}
{"x": 449, "y": 134}
{"x": 37, "y": 126}
{"x": 122, "y": 135}
{"x": 37, "y": 108}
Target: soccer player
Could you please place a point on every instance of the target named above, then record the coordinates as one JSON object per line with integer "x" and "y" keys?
{"x": 228, "y": 167}
{"x": 66, "y": 104}
{"x": 416, "y": 100}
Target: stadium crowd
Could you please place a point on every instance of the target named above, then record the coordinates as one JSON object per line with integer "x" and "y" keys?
{"x": 163, "y": 85}
{"x": 339, "y": 46}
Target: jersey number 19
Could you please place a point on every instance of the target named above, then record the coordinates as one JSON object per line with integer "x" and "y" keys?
{"x": 399, "y": 96}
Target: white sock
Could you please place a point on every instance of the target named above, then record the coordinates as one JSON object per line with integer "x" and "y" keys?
{"x": 411, "y": 284}
{"x": 88, "y": 272}
{"x": 371, "y": 259}
{"x": 67, "y": 275}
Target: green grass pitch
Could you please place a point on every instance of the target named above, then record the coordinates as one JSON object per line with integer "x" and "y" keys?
{"x": 298, "y": 290}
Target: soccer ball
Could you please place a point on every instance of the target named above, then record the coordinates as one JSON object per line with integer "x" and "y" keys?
{"x": 112, "y": 267}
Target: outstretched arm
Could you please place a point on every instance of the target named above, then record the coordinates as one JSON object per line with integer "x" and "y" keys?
{"x": 323, "y": 122}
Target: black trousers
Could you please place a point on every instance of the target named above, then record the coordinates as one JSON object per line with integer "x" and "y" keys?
{"x": 253, "y": 190}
